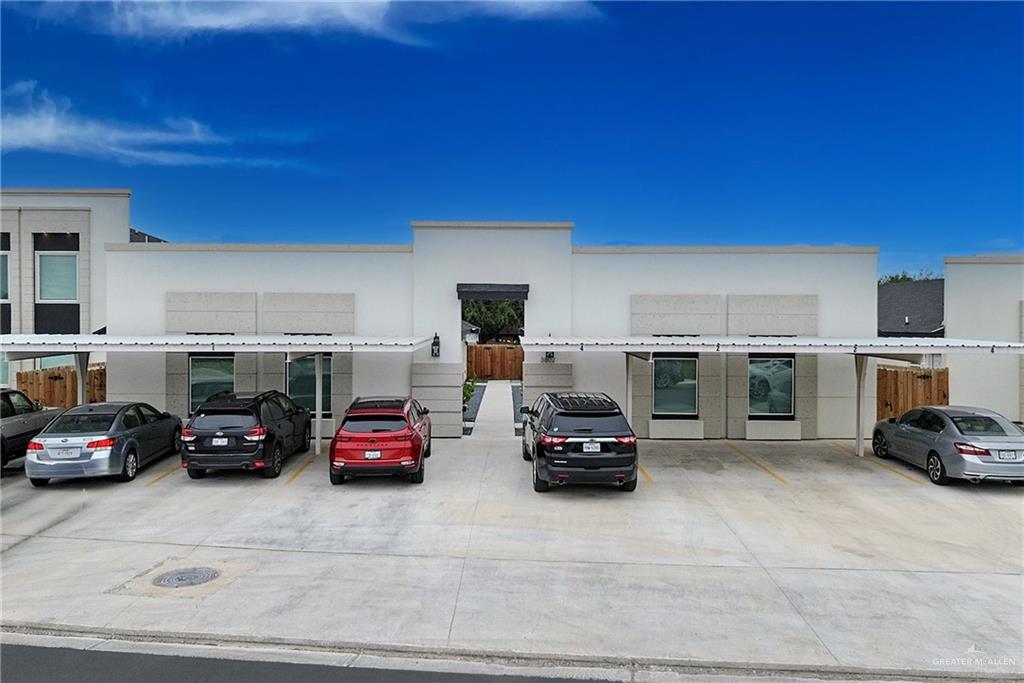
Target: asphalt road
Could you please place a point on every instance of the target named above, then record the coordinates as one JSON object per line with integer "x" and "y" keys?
{"x": 24, "y": 664}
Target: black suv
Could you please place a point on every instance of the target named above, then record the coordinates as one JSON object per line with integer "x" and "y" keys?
{"x": 244, "y": 431}
{"x": 579, "y": 438}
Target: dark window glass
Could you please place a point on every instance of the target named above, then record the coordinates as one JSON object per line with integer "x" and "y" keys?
{"x": 590, "y": 423}
{"x": 285, "y": 404}
{"x": 932, "y": 422}
{"x": 239, "y": 419}
{"x": 910, "y": 418}
{"x": 131, "y": 419}
{"x": 90, "y": 423}
{"x": 302, "y": 382}
{"x": 21, "y": 403}
{"x": 6, "y": 407}
{"x": 274, "y": 409}
{"x": 149, "y": 413}
{"x": 374, "y": 423}
{"x": 982, "y": 425}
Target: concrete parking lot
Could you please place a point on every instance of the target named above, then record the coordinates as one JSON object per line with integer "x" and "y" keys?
{"x": 746, "y": 553}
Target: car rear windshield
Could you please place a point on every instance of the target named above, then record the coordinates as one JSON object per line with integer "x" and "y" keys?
{"x": 981, "y": 425}
{"x": 374, "y": 423}
{"x": 596, "y": 423}
{"x": 93, "y": 423}
{"x": 237, "y": 419}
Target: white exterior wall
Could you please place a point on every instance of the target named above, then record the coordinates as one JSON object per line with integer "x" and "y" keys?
{"x": 983, "y": 300}
{"x": 843, "y": 280}
{"x": 140, "y": 275}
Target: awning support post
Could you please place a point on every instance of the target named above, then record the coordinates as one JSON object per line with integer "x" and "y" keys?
{"x": 318, "y": 369}
{"x": 629, "y": 393}
{"x": 82, "y": 368}
{"x": 861, "y": 366}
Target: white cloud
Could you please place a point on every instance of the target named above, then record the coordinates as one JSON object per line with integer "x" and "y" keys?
{"x": 35, "y": 120}
{"x": 379, "y": 18}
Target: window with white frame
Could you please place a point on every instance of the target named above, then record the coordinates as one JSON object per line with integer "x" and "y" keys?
{"x": 5, "y": 279}
{"x": 57, "y": 277}
{"x": 770, "y": 386}
{"x": 675, "y": 386}
{"x": 207, "y": 375}
{"x": 302, "y": 383}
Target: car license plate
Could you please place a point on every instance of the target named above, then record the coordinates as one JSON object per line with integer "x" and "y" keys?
{"x": 1006, "y": 455}
{"x": 591, "y": 447}
{"x": 64, "y": 453}
{"x": 372, "y": 455}
{"x": 221, "y": 441}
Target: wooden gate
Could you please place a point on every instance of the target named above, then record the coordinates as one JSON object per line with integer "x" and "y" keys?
{"x": 58, "y": 387}
{"x": 494, "y": 361}
{"x": 903, "y": 388}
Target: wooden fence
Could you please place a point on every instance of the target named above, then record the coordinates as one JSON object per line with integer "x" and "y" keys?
{"x": 494, "y": 361}
{"x": 903, "y": 388}
{"x": 58, "y": 387}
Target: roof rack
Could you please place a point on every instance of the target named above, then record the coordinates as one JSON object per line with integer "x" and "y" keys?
{"x": 583, "y": 401}
{"x": 378, "y": 402}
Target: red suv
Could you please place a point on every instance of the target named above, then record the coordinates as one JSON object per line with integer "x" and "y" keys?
{"x": 381, "y": 435}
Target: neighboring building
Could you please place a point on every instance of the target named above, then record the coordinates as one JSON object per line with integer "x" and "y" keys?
{"x": 470, "y": 333}
{"x": 911, "y": 309}
{"x": 984, "y": 299}
{"x": 415, "y": 289}
{"x": 53, "y": 276}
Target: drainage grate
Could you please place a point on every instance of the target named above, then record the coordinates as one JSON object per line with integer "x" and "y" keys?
{"x": 182, "y": 578}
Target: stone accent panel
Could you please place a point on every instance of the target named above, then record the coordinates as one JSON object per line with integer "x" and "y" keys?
{"x": 210, "y": 312}
{"x": 438, "y": 387}
{"x": 676, "y": 314}
{"x": 308, "y": 313}
{"x": 539, "y": 378}
{"x": 737, "y": 396}
{"x": 780, "y": 314}
{"x": 640, "y": 372}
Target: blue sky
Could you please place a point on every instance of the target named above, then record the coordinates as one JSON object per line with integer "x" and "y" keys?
{"x": 898, "y": 125}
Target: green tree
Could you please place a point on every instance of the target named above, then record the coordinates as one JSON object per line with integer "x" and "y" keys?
{"x": 493, "y": 317}
{"x": 904, "y": 276}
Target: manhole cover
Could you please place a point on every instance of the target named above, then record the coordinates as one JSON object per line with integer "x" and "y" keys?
{"x": 182, "y": 578}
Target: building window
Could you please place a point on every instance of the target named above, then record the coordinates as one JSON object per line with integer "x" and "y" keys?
{"x": 675, "y": 387}
{"x": 770, "y": 384}
{"x": 56, "y": 277}
{"x": 5, "y": 281}
{"x": 56, "y": 362}
{"x": 207, "y": 375}
{"x": 5, "y": 371}
{"x": 302, "y": 383}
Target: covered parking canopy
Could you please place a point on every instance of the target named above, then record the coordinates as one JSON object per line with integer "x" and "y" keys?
{"x": 25, "y": 346}
{"x": 911, "y": 349}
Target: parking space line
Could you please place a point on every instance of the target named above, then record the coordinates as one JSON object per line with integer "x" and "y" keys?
{"x": 754, "y": 462}
{"x": 873, "y": 461}
{"x": 647, "y": 477}
{"x": 177, "y": 468}
{"x": 302, "y": 467}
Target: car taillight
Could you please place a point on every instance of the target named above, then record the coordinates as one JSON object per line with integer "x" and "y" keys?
{"x": 35, "y": 446}
{"x": 628, "y": 440}
{"x": 968, "y": 449}
{"x": 552, "y": 440}
{"x": 101, "y": 443}
{"x": 256, "y": 434}
{"x": 188, "y": 435}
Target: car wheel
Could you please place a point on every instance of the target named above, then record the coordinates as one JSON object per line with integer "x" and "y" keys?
{"x": 628, "y": 486}
{"x": 936, "y": 470}
{"x": 526, "y": 452}
{"x": 176, "y": 441}
{"x": 273, "y": 470}
{"x": 39, "y": 483}
{"x": 880, "y": 446}
{"x": 196, "y": 473}
{"x": 130, "y": 467}
{"x": 306, "y": 440}
{"x": 337, "y": 478}
{"x": 539, "y": 485}
{"x": 417, "y": 476}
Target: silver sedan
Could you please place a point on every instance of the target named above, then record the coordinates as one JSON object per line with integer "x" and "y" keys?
{"x": 954, "y": 442}
{"x": 102, "y": 439}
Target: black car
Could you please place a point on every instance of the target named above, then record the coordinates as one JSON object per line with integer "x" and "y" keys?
{"x": 579, "y": 438}
{"x": 244, "y": 431}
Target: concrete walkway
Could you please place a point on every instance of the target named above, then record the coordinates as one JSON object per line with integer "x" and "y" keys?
{"x": 494, "y": 421}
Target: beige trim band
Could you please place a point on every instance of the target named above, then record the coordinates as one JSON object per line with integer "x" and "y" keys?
{"x": 1000, "y": 259}
{"x": 76, "y": 191}
{"x": 725, "y": 250}
{"x": 492, "y": 225}
{"x": 178, "y": 246}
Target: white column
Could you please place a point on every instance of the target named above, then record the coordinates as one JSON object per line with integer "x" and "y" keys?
{"x": 861, "y": 365}
{"x": 318, "y": 372}
{"x": 629, "y": 393}
{"x": 82, "y": 368}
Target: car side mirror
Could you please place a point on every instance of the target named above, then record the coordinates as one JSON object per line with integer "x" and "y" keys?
{"x": 891, "y": 420}
{"x": 525, "y": 410}
{"x": 425, "y": 411}
{"x": 166, "y": 414}
{"x": 38, "y": 405}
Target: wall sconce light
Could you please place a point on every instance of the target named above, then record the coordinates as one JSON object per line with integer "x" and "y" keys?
{"x": 435, "y": 347}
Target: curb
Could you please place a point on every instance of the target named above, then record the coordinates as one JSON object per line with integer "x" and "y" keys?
{"x": 510, "y": 657}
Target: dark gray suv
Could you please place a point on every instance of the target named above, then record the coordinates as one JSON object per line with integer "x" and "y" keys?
{"x": 22, "y": 418}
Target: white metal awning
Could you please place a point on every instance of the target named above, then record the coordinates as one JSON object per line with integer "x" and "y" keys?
{"x": 23, "y": 346}
{"x": 868, "y": 346}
